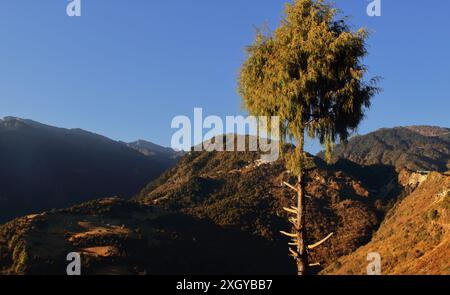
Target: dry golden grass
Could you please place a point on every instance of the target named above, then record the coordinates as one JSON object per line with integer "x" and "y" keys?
{"x": 97, "y": 230}
{"x": 414, "y": 238}
{"x": 103, "y": 251}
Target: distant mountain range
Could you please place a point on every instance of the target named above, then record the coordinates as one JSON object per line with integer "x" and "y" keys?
{"x": 44, "y": 167}
{"x": 416, "y": 148}
{"x": 153, "y": 150}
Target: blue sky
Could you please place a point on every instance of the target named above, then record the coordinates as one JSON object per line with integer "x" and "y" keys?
{"x": 124, "y": 69}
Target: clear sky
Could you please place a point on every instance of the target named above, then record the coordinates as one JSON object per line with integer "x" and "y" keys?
{"x": 125, "y": 68}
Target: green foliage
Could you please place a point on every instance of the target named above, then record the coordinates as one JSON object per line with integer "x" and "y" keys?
{"x": 309, "y": 73}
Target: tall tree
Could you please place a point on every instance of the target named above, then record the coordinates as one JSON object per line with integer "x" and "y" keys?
{"x": 309, "y": 72}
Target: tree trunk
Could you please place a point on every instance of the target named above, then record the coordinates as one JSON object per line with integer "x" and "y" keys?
{"x": 302, "y": 259}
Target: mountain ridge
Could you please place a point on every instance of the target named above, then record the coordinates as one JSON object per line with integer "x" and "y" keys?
{"x": 412, "y": 147}
{"x": 151, "y": 149}
{"x": 46, "y": 167}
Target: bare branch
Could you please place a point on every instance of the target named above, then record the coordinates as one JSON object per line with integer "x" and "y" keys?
{"x": 293, "y": 221}
{"x": 290, "y": 186}
{"x": 290, "y": 210}
{"x": 288, "y": 234}
{"x": 293, "y": 253}
{"x": 310, "y": 247}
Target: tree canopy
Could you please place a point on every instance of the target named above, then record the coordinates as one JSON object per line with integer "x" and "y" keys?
{"x": 309, "y": 72}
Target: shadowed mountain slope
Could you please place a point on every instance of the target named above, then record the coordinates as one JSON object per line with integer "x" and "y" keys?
{"x": 45, "y": 167}
{"x": 115, "y": 236}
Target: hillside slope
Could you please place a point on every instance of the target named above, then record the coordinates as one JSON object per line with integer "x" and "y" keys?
{"x": 45, "y": 167}
{"x": 115, "y": 236}
{"x": 214, "y": 213}
{"x": 415, "y": 148}
{"x": 221, "y": 213}
{"x": 415, "y": 236}
{"x": 237, "y": 190}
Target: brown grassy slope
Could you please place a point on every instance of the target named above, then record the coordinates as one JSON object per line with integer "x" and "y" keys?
{"x": 234, "y": 190}
{"x": 415, "y": 236}
{"x": 122, "y": 237}
{"x": 38, "y": 244}
{"x": 215, "y": 213}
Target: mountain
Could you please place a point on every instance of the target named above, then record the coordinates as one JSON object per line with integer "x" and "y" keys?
{"x": 236, "y": 190}
{"x": 44, "y": 167}
{"x": 153, "y": 150}
{"x": 414, "y": 237}
{"x": 213, "y": 213}
{"x": 221, "y": 213}
{"x": 416, "y": 148}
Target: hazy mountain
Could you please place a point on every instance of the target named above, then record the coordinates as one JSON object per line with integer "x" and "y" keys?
{"x": 153, "y": 150}
{"x": 415, "y": 148}
{"x": 45, "y": 167}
